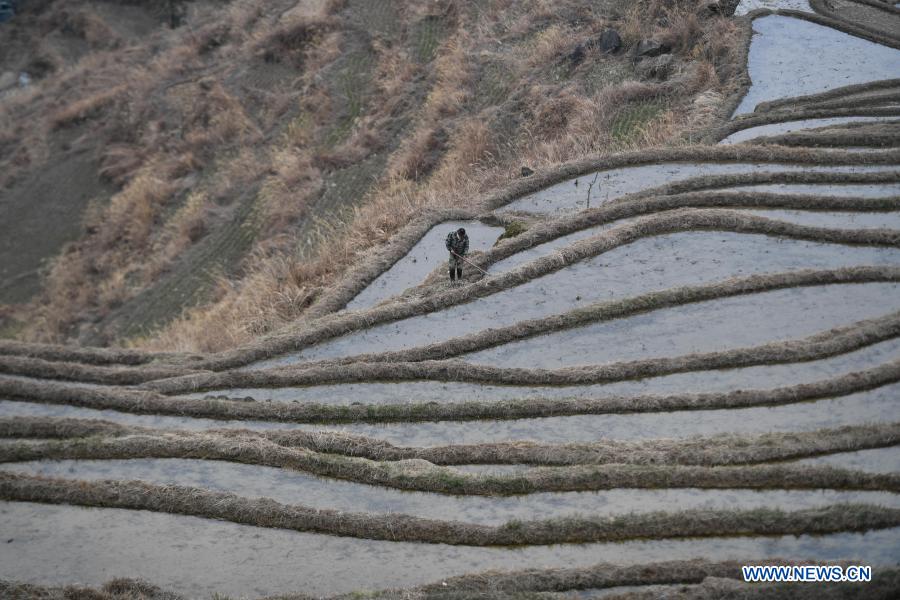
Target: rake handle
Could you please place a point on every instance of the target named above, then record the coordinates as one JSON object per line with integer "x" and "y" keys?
{"x": 462, "y": 258}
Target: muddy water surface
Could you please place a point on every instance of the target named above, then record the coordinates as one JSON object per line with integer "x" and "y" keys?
{"x": 790, "y": 126}
{"x": 427, "y": 255}
{"x": 746, "y": 6}
{"x": 879, "y": 460}
{"x": 874, "y": 406}
{"x": 880, "y": 190}
{"x": 758, "y": 377}
{"x": 566, "y": 196}
{"x": 64, "y": 544}
{"x": 792, "y": 57}
{"x": 292, "y": 487}
{"x": 715, "y": 325}
{"x": 649, "y": 264}
{"x": 10, "y": 408}
{"x": 833, "y": 220}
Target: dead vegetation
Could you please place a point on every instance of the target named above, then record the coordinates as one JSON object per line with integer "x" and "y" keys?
{"x": 671, "y": 221}
{"x": 268, "y": 513}
{"x": 148, "y": 402}
{"x": 626, "y": 207}
{"x": 179, "y": 380}
{"x": 605, "y": 311}
{"x": 117, "y": 589}
{"x": 712, "y": 578}
{"x": 717, "y": 450}
{"x": 466, "y": 94}
{"x": 407, "y": 474}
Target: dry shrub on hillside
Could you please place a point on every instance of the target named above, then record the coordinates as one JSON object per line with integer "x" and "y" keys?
{"x": 719, "y": 45}
{"x": 212, "y": 118}
{"x": 549, "y": 45}
{"x": 421, "y": 154}
{"x": 190, "y": 222}
{"x": 551, "y": 114}
{"x": 453, "y": 78}
{"x": 278, "y": 288}
{"x": 473, "y": 146}
{"x": 681, "y": 31}
{"x": 87, "y": 107}
{"x": 210, "y": 38}
{"x": 289, "y": 42}
{"x": 284, "y": 196}
{"x": 689, "y": 28}
{"x": 120, "y": 162}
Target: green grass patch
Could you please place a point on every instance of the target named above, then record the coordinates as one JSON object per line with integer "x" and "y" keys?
{"x": 350, "y": 85}
{"x": 512, "y": 230}
{"x": 10, "y": 327}
{"x": 426, "y": 37}
{"x": 494, "y": 84}
{"x": 632, "y": 120}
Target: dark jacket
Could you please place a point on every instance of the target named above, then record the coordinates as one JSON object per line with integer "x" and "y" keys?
{"x": 457, "y": 245}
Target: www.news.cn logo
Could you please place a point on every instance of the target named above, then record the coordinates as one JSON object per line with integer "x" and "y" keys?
{"x": 806, "y": 573}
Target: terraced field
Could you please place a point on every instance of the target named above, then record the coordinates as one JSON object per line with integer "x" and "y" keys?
{"x": 690, "y": 366}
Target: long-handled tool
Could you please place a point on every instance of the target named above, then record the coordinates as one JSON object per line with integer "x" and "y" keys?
{"x": 462, "y": 258}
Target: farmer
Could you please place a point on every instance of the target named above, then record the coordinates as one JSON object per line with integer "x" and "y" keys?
{"x": 458, "y": 245}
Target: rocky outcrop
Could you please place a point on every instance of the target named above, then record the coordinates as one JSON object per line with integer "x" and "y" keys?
{"x": 609, "y": 41}
{"x": 650, "y": 48}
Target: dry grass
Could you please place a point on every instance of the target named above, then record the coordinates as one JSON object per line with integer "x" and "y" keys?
{"x": 813, "y": 100}
{"x": 666, "y": 222}
{"x": 116, "y": 589}
{"x": 148, "y": 402}
{"x": 879, "y": 136}
{"x": 712, "y": 577}
{"x": 699, "y": 579}
{"x": 716, "y": 450}
{"x": 418, "y": 475}
{"x": 291, "y": 299}
{"x": 158, "y": 128}
{"x": 811, "y": 111}
{"x": 291, "y": 41}
{"x": 604, "y": 311}
{"x": 851, "y": 22}
{"x": 862, "y": 333}
{"x": 114, "y": 255}
{"x": 86, "y": 108}
{"x": 277, "y": 287}
{"x": 713, "y": 587}
{"x": 499, "y": 92}
{"x": 453, "y": 153}
{"x": 267, "y": 513}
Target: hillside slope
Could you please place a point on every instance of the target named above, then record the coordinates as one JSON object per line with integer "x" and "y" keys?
{"x": 241, "y": 161}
